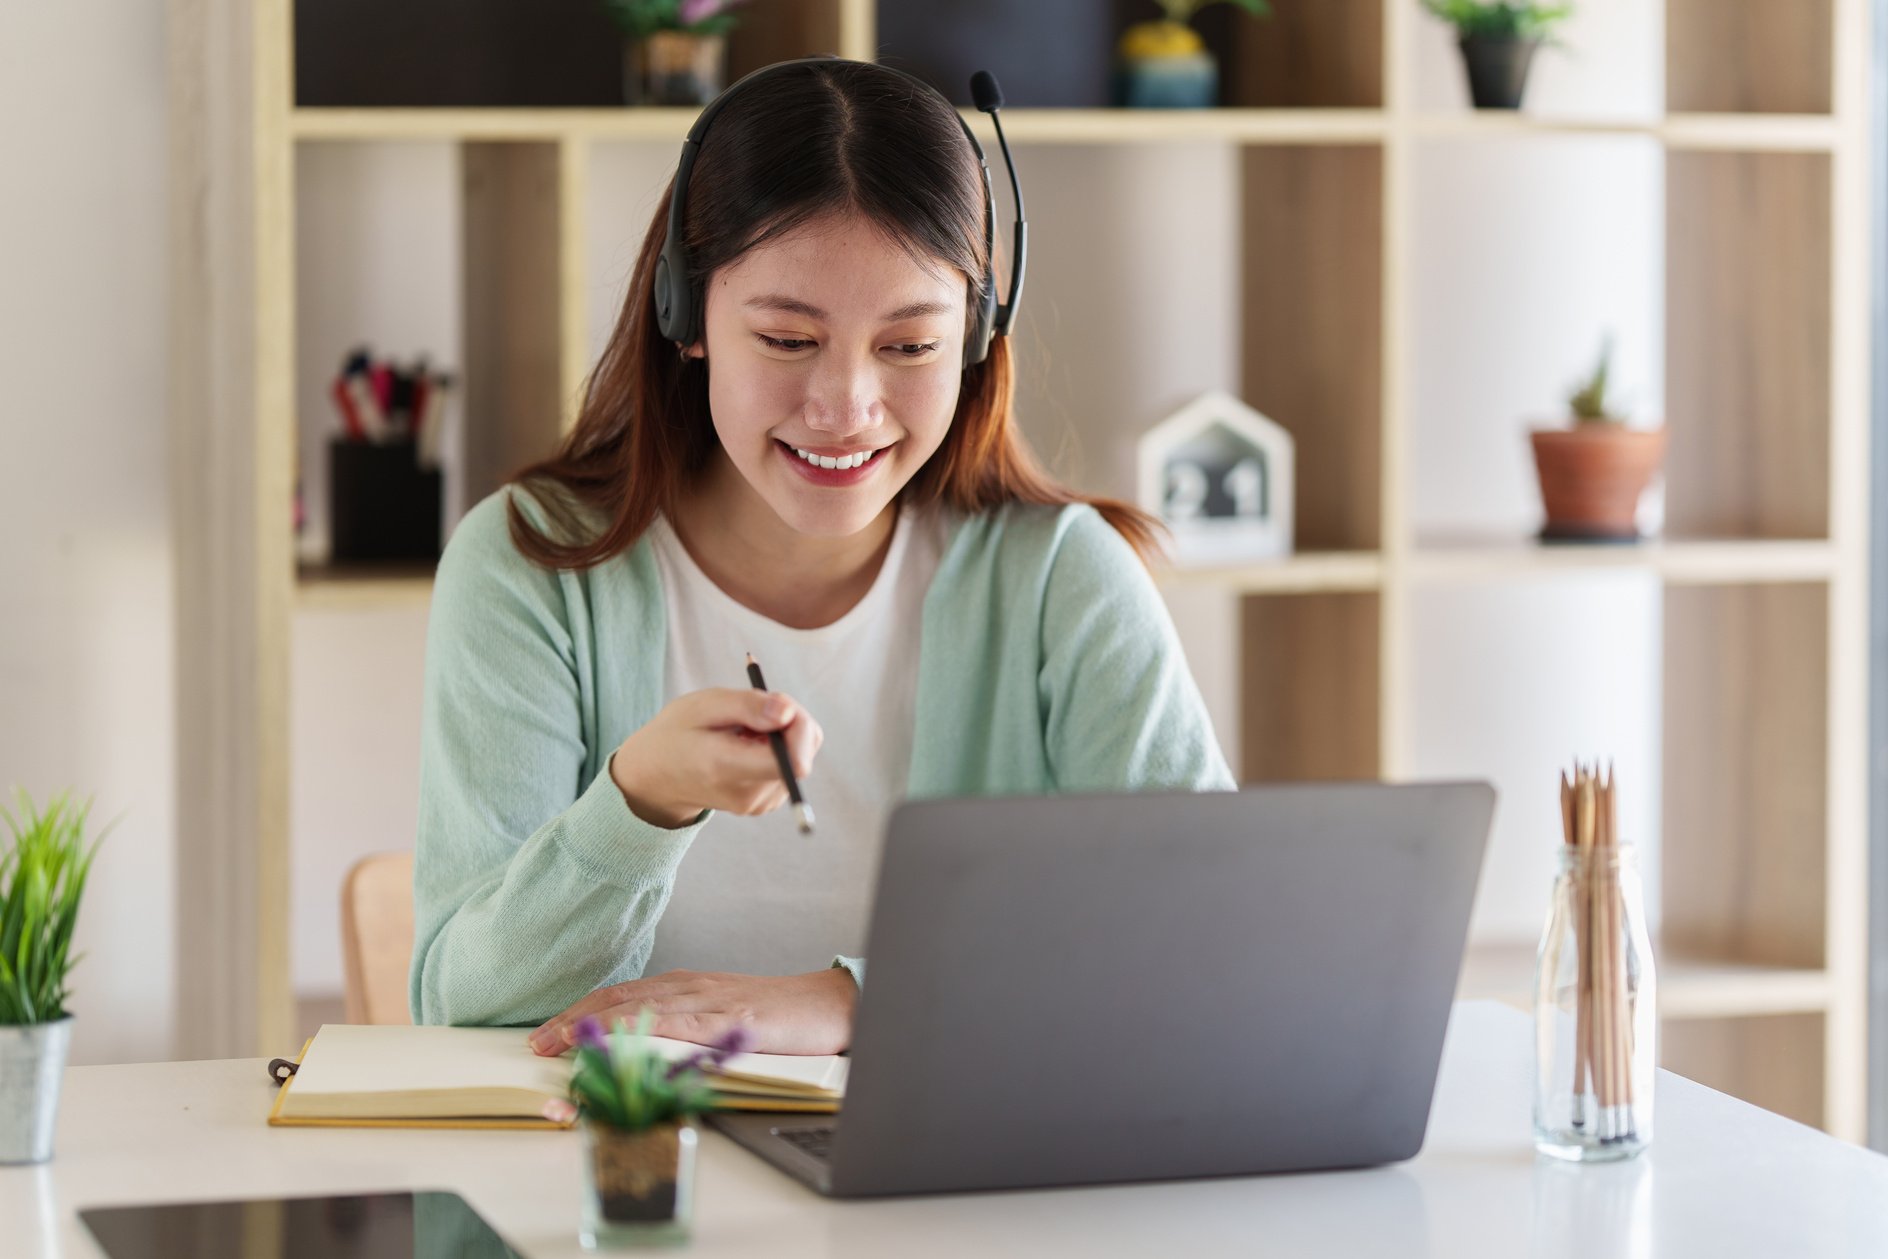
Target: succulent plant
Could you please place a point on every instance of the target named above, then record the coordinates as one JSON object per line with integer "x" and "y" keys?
{"x": 1589, "y": 399}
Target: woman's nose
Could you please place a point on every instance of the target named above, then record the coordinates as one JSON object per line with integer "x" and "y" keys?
{"x": 844, "y": 395}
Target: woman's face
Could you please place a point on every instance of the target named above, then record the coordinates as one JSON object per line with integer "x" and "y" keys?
{"x": 831, "y": 342}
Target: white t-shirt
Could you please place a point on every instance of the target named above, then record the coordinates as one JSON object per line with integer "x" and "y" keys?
{"x": 753, "y": 895}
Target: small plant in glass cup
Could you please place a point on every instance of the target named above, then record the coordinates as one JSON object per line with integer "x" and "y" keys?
{"x": 1164, "y": 64}
{"x": 676, "y": 52}
{"x": 635, "y": 1109}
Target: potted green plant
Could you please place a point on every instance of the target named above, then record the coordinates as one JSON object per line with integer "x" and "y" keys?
{"x": 42, "y": 877}
{"x": 1593, "y": 473}
{"x": 1498, "y": 40}
{"x": 676, "y": 52}
{"x": 1164, "y": 64}
{"x": 635, "y": 1109}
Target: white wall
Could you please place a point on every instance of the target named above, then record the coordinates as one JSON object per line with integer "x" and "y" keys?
{"x": 86, "y": 675}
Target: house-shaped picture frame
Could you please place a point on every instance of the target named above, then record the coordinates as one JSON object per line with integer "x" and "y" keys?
{"x": 1220, "y": 474}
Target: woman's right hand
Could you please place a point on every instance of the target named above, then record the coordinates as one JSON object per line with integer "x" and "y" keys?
{"x": 709, "y": 750}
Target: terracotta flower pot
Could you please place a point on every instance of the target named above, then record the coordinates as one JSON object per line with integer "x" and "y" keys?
{"x": 1591, "y": 478}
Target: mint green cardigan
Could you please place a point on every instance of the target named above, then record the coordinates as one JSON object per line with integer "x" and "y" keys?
{"x": 1046, "y": 663}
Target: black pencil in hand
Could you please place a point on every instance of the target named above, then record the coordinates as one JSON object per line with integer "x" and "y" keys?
{"x": 800, "y": 807}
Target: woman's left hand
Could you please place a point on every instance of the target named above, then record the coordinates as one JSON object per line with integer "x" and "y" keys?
{"x": 782, "y": 1014}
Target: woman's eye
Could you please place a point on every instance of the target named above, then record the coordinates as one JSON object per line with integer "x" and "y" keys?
{"x": 789, "y": 344}
{"x": 916, "y": 349}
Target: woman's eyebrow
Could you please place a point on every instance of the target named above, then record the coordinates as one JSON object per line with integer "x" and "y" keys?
{"x": 793, "y": 305}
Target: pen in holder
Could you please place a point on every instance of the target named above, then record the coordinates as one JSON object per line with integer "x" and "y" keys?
{"x": 383, "y": 504}
{"x": 384, "y": 478}
{"x": 1595, "y": 990}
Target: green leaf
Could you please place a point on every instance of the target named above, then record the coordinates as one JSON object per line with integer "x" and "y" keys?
{"x": 1501, "y": 19}
{"x": 43, "y": 874}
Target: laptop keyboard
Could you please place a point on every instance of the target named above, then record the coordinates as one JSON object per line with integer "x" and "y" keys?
{"x": 815, "y": 1141}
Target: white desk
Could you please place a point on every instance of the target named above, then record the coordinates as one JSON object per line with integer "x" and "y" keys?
{"x": 1722, "y": 1179}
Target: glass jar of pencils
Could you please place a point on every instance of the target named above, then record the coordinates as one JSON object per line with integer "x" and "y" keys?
{"x": 1595, "y": 1010}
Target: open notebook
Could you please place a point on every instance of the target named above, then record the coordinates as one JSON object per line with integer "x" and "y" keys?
{"x": 354, "y": 1075}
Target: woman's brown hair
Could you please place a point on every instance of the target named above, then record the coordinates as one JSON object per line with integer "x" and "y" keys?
{"x": 829, "y": 137}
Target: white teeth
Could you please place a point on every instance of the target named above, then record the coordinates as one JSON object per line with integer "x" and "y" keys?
{"x": 853, "y": 460}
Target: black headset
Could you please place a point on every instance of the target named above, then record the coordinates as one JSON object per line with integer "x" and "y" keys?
{"x": 678, "y": 303}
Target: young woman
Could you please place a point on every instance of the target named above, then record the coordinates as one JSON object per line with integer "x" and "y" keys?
{"x": 822, "y": 469}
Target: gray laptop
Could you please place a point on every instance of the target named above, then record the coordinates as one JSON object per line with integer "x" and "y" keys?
{"x": 1082, "y": 989}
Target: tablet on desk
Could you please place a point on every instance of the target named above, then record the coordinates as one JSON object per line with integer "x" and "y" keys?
{"x": 361, "y": 1226}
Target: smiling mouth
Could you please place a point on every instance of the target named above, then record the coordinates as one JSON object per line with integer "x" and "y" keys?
{"x": 832, "y": 463}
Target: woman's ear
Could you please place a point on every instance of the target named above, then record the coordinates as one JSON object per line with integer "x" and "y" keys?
{"x": 696, "y": 350}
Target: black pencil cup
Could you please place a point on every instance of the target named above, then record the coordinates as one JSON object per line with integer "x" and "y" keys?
{"x": 381, "y": 504}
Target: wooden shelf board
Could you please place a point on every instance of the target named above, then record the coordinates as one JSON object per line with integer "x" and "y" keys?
{"x": 1039, "y": 126}
{"x": 363, "y": 586}
{"x": 1786, "y": 132}
{"x": 1310, "y": 572}
{"x": 491, "y": 124}
{"x": 1689, "y": 988}
{"x": 1260, "y": 126}
{"x": 1441, "y": 560}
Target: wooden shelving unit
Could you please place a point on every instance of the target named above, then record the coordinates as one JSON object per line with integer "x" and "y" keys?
{"x": 1764, "y": 563}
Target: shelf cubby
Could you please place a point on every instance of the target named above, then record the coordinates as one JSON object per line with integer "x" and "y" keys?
{"x": 1749, "y": 56}
{"x": 1311, "y": 340}
{"x": 1748, "y": 345}
{"x": 1746, "y": 773}
{"x": 1059, "y": 54}
{"x": 781, "y": 29}
{"x": 471, "y": 54}
{"x": 1327, "y": 55}
{"x": 1774, "y": 1061}
{"x": 1309, "y": 682}
{"x": 519, "y": 389}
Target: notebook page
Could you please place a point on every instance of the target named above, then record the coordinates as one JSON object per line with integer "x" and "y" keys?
{"x": 349, "y": 1058}
{"x": 353, "y": 1058}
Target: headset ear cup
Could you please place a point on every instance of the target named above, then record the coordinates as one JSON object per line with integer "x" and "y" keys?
{"x": 980, "y": 332}
{"x": 662, "y": 296}
{"x": 675, "y": 311}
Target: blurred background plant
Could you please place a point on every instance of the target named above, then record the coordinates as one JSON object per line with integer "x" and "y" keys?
{"x": 1589, "y": 400}
{"x": 1171, "y": 36}
{"x": 42, "y": 877}
{"x": 641, "y": 18}
{"x": 1164, "y": 64}
{"x": 1501, "y": 19}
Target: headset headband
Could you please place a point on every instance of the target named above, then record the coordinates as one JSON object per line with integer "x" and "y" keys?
{"x": 677, "y": 304}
